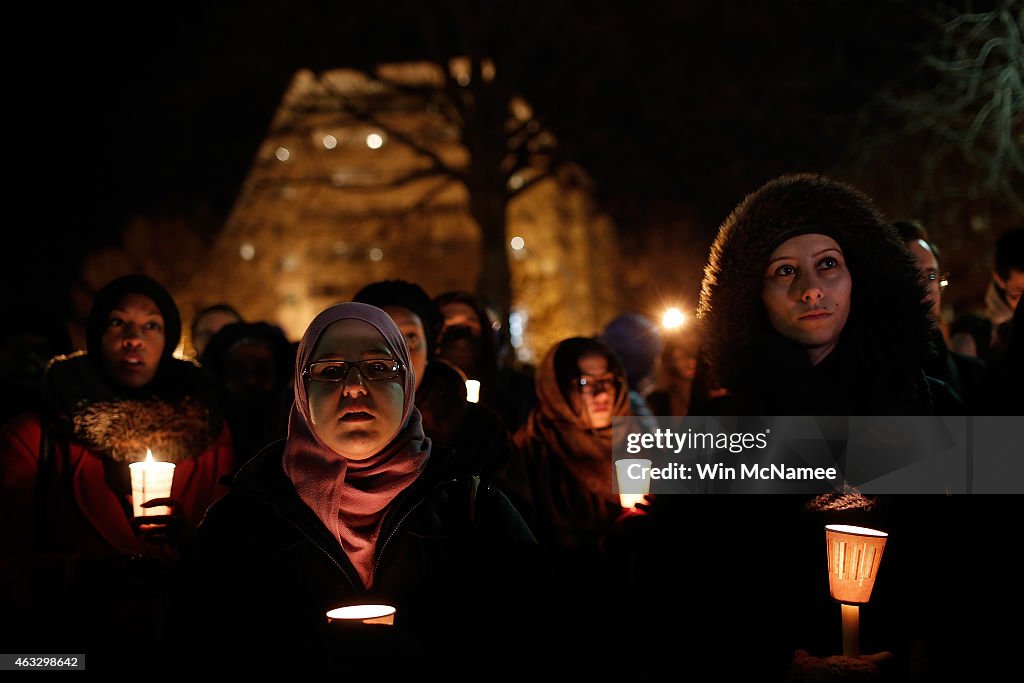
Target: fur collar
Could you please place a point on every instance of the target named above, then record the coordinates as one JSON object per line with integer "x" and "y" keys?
{"x": 177, "y": 419}
{"x": 888, "y": 330}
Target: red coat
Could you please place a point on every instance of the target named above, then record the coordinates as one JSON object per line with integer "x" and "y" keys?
{"x": 81, "y": 514}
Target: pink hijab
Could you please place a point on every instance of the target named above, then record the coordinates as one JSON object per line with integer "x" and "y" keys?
{"x": 350, "y": 497}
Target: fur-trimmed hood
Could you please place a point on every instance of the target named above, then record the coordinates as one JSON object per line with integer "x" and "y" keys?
{"x": 888, "y": 327}
{"x": 178, "y": 417}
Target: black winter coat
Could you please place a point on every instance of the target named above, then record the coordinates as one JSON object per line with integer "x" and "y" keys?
{"x": 456, "y": 560}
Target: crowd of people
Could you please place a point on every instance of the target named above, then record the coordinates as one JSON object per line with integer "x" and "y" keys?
{"x": 353, "y": 468}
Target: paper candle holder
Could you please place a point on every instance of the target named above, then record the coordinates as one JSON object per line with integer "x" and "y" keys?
{"x": 362, "y": 614}
{"x": 150, "y": 479}
{"x": 854, "y": 554}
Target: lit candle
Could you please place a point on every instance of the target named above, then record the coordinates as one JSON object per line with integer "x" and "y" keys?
{"x": 363, "y": 614}
{"x": 473, "y": 390}
{"x": 634, "y": 481}
{"x": 151, "y": 479}
{"x": 854, "y": 553}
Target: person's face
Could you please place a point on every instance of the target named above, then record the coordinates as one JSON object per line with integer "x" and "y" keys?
{"x": 1012, "y": 286}
{"x": 684, "y": 361}
{"x": 595, "y": 400}
{"x": 457, "y": 313}
{"x": 356, "y": 417}
{"x": 208, "y": 325}
{"x": 929, "y": 267}
{"x": 415, "y": 338}
{"x": 133, "y": 341}
{"x": 249, "y": 369}
{"x": 806, "y": 292}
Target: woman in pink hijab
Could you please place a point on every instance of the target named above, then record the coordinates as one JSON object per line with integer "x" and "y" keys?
{"x": 355, "y": 507}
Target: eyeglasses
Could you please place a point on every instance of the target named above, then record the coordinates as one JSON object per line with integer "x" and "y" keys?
{"x": 942, "y": 278}
{"x": 372, "y": 370}
{"x": 590, "y": 386}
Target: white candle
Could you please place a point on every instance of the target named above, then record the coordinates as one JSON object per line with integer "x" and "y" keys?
{"x": 151, "y": 479}
{"x": 363, "y": 614}
{"x": 634, "y": 482}
{"x": 473, "y": 390}
{"x": 851, "y": 630}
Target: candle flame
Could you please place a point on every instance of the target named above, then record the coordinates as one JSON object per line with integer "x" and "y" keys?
{"x": 149, "y": 456}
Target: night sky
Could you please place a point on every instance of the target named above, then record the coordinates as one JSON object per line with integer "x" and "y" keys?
{"x": 158, "y": 110}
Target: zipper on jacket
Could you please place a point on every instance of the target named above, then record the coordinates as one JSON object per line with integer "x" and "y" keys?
{"x": 330, "y": 557}
{"x": 394, "y": 530}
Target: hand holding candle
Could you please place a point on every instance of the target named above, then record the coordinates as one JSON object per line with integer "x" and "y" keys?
{"x": 150, "y": 479}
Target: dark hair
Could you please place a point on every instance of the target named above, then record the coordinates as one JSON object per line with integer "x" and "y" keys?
{"x": 407, "y": 295}
{"x": 488, "y": 338}
{"x": 273, "y": 337}
{"x": 911, "y": 230}
{"x": 567, "y": 361}
{"x": 105, "y": 300}
{"x": 215, "y": 308}
{"x": 1010, "y": 252}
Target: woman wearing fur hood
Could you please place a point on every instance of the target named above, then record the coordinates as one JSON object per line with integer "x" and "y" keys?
{"x": 74, "y": 555}
{"x": 812, "y": 306}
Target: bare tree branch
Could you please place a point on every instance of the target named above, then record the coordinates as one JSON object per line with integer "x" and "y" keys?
{"x": 363, "y": 115}
{"x": 968, "y": 100}
{"x": 323, "y": 180}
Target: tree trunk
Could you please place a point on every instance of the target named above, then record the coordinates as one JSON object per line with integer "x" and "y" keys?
{"x": 495, "y": 281}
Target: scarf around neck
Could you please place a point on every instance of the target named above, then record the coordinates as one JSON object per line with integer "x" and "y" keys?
{"x": 351, "y": 497}
{"x": 563, "y": 440}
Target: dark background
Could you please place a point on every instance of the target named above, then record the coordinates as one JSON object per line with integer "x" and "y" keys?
{"x": 158, "y": 109}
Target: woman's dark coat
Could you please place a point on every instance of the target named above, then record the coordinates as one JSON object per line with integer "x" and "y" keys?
{"x": 454, "y": 558}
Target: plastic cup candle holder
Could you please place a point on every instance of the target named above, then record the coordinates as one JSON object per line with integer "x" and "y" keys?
{"x": 634, "y": 482}
{"x": 151, "y": 479}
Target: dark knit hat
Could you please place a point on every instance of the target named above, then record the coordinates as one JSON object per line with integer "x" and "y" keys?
{"x": 636, "y": 340}
{"x": 105, "y": 300}
{"x": 215, "y": 355}
{"x": 407, "y": 295}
